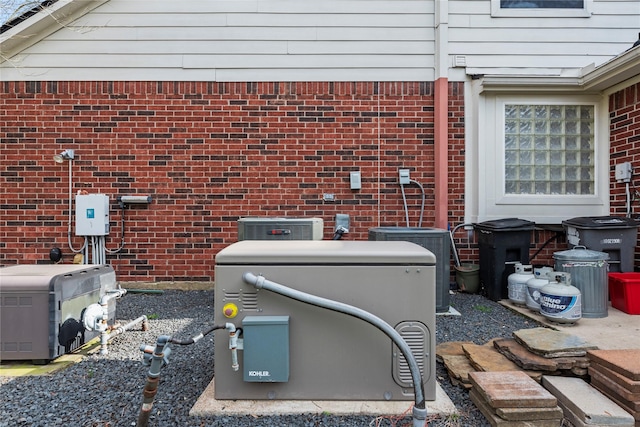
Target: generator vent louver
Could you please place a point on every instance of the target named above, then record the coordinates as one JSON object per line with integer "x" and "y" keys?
{"x": 266, "y": 228}
{"x": 416, "y": 335}
{"x": 248, "y": 300}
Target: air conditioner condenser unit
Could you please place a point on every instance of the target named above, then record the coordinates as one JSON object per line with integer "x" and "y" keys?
{"x": 280, "y": 228}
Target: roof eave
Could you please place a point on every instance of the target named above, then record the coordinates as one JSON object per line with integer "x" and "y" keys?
{"x": 591, "y": 80}
{"x": 42, "y": 24}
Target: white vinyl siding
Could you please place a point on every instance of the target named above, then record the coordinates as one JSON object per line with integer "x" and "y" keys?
{"x": 244, "y": 40}
{"x": 540, "y": 45}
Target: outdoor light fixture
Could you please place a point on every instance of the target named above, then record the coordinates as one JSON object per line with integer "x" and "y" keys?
{"x": 134, "y": 200}
{"x": 64, "y": 155}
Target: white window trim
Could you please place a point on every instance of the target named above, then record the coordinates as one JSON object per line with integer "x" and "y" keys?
{"x": 498, "y": 12}
{"x": 485, "y": 194}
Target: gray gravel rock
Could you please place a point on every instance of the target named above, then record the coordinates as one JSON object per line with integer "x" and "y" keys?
{"x": 106, "y": 391}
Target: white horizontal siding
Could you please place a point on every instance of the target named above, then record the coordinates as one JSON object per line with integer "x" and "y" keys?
{"x": 541, "y": 43}
{"x": 237, "y": 47}
{"x": 324, "y": 40}
{"x": 245, "y": 39}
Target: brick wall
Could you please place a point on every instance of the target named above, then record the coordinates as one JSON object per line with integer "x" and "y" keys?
{"x": 209, "y": 153}
{"x": 624, "y": 127}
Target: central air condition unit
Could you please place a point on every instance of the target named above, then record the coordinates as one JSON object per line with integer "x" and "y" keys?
{"x": 266, "y": 228}
{"x": 434, "y": 239}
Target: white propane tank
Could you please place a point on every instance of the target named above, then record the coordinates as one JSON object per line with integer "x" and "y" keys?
{"x": 540, "y": 279}
{"x": 559, "y": 301}
{"x": 517, "y": 283}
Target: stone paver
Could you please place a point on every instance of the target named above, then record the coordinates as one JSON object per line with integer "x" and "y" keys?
{"x": 513, "y": 389}
{"x": 625, "y": 362}
{"x": 458, "y": 368}
{"x": 524, "y": 358}
{"x": 550, "y": 343}
{"x": 584, "y": 404}
{"x": 616, "y": 388}
{"x": 451, "y": 348}
{"x": 496, "y": 421}
{"x": 632, "y": 386}
{"x": 634, "y": 413}
{"x": 530, "y": 414}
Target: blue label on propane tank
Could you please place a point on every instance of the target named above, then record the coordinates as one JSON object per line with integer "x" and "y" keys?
{"x": 559, "y": 304}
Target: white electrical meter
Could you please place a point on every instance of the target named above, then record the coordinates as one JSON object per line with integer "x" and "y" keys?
{"x": 92, "y": 215}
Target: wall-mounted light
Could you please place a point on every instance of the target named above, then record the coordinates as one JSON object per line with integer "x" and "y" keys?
{"x": 64, "y": 155}
{"x": 134, "y": 200}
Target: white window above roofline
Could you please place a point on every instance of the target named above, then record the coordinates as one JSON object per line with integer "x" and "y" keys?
{"x": 499, "y": 12}
{"x": 485, "y": 195}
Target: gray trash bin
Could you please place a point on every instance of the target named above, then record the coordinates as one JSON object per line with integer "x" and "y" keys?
{"x": 589, "y": 273}
{"x": 616, "y": 236}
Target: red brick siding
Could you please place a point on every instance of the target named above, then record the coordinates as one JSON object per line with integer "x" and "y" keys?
{"x": 209, "y": 153}
{"x": 624, "y": 127}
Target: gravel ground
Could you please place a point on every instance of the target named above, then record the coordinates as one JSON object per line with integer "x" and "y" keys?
{"x": 106, "y": 391}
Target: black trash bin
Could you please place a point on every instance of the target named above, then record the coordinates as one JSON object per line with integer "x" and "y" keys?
{"x": 613, "y": 235}
{"x": 502, "y": 243}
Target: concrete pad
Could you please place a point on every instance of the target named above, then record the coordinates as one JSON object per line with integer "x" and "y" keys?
{"x": 512, "y": 389}
{"x": 496, "y": 421}
{"x": 19, "y": 368}
{"x": 625, "y": 361}
{"x": 207, "y": 405}
{"x": 550, "y": 343}
{"x": 611, "y": 332}
{"x": 585, "y": 402}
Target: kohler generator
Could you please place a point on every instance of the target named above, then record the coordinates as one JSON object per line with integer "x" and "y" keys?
{"x": 41, "y": 308}
{"x": 293, "y": 349}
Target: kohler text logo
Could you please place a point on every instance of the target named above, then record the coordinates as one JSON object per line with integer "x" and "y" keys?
{"x": 259, "y": 374}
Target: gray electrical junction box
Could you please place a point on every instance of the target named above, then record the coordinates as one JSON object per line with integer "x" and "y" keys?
{"x": 292, "y": 350}
{"x": 266, "y": 349}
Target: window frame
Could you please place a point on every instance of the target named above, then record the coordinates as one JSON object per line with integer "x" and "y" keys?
{"x": 491, "y": 199}
{"x": 499, "y": 12}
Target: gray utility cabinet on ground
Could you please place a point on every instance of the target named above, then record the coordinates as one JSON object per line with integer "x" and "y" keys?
{"x": 41, "y": 308}
{"x": 316, "y": 353}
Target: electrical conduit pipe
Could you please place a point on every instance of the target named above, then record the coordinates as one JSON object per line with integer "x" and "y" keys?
{"x": 419, "y": 408}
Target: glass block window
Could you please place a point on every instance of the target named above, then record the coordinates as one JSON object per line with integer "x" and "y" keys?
{"x": 542, "y": 4}
{"x": 549, "y": 149}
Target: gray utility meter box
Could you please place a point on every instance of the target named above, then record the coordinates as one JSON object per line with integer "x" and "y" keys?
{"x": 41, "y": 308}
{"x": 293, "y": 350}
